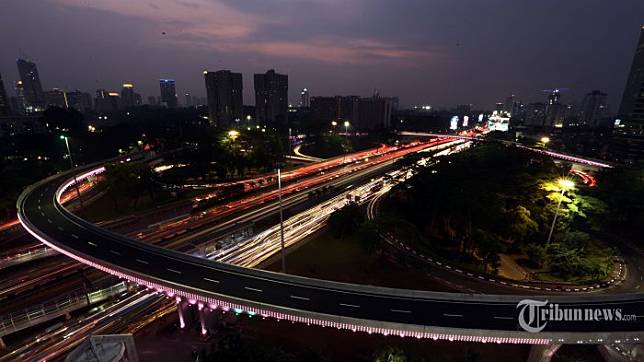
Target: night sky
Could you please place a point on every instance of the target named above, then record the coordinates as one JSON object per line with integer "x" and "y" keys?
{"x": 439, "y": 52}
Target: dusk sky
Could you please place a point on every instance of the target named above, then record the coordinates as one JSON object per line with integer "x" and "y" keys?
{"x": 438, "y": 52}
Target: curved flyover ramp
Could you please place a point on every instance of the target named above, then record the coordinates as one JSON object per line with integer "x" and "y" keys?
{"x": 421, "y": 314}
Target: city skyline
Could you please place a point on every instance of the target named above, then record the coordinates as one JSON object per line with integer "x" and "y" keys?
{"x": 410, "y": 62}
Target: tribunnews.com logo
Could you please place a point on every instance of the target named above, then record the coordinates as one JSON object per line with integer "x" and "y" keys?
{"x": 534, "y": 315}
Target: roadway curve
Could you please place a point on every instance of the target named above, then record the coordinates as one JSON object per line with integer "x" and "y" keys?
{"x": 213, "y": 285}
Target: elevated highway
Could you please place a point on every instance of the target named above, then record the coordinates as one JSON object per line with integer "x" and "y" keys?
{"x": 213, "y": 285}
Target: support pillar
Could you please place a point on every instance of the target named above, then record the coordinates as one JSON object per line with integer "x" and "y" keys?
{"x": 2, "y": 345}
{"x": 202, "y": 319}
{"x": 182, "y": 322}
{"x": 542, "y": 352}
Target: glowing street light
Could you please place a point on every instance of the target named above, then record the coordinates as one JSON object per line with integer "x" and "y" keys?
{"x": 565, "y": 185}
{"x": 545, "y": 140}
{"x": 71, "y": 164}
{"x": 233, "y": 134}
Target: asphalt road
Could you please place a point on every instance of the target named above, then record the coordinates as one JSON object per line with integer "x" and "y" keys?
{"x": 43, "y": 216}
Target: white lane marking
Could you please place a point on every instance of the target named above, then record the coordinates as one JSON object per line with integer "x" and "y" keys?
{"x": 39, "y": 208}
{"x": 74, "y": 236}
{"x": 49, "y": 221}
{"x": 92, "y": 244}
{"x": 142, "y": 261}
{"x": 60, "y": 228}
{"x": 400, "y": 311}
{"x": 253, "y": 289}
{"x": 300, "y": 298}
{"x": 211, "y": 280}
{"x": 495, "y": 317}
{"x": 349, "y": 305}
{"x": 452, "y": 315}
{"x": 42, "y": 213}
{"x": 115, "y": 252}
{"x": 173, "y": 270}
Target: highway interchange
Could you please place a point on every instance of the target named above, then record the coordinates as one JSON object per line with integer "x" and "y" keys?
{"x": 320, "y": 302}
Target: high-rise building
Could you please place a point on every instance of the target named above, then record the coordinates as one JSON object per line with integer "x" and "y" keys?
{"x": 593, "y": 109}
{"x": 305, "y": 100}
{"x": 508, "y": 106}
{"x": 632, "y": 106}
{"x": 127, "y": 95}
{"x": 168, "y": 92}
{"x": 271, "y": 98}
{"x": 107, "y": 102}
{"x": 188, "y": 99}
{"x": 33, "y": 94}
{"x": 225, "y": 100}
{"x": 554, "y": 109}
{"x": 80, "y": 101}
{"x": 362, "y": 113}
{"x": 20, "y": 98}
{"x": 4, "y": 100}
{"x": 56, "y": 97}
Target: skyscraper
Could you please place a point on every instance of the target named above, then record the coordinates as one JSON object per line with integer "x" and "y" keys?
{"x": 593, "y": 109}
{"x": 80, "y": 101}
{"x": 168, "y": 92}
{"x": 632, "y": 106}
{"x": 56, "y": 97}
{"x": 305, "y": 100}
{"x": 20, "y": 97}
{"x": 4, "y": 100}
{"x": 127, "y": 95}
{"x": 33, "y": 94}
{"x": 554, "y": 109}
{"x": 224, "y": 92}
{"x": 271, "y": 98}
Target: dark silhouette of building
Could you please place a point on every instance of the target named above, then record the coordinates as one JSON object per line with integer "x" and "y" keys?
{"x": 5, "y": 109}
{"x": 225, "y": 99}
{"x": 127, "y": 95}
{"x": 554, "y": 110}
{"x": 56, "y": 97}
{"x": 80, "y": 101}
{"x": 168, "y": 92}
{"x": 593, "y": 109}
{"x": 632, "y": 106}
{"x": 305, "y": 99}
{"x": 362, "y": 113}
{"x": 107, "y": 102}
{"x": 271, "y": 98}
{"x": 34, "y": 97}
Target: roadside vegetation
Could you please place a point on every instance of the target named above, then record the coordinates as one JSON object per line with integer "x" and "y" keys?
{"x": 492, "y": 200}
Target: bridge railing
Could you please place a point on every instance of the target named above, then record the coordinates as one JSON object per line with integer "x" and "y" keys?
{"x": 34, "y": 315}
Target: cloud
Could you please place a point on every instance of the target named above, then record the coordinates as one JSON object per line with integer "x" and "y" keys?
{"x": 210, "y": 24}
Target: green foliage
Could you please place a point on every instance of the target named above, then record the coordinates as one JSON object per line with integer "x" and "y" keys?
{"x": 129, "y": 181}
{"x": 346, "y": 220}
{"x": 390, "y": 354}
{"x": 536, "y": 254}
{"x": 622, "y": 191}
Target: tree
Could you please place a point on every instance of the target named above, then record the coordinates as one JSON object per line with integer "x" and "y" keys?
{"x": 536, "y": 254}
{"x": 346, "y": 220}
{"x": 369, "y": 236}
{"x": 390, "y": 354}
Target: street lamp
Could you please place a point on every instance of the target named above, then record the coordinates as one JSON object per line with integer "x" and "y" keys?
{"x": 334, "y": 124}
{"x": 233, "y": 134}
{"x": 71, "y": 164}
{"x": 545, "y": 140}
{"x": 346, "y": 137}
{"x": 565, "y": 185}
{"x": 279, "y": 193}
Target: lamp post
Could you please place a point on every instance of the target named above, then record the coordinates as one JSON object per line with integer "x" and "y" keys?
{"x": 71, "y": 166}
{"x": 289, "y": 141}
{"x": 334, "y": 124}
{"x": 279, "y": 193}
{"x": 545, "y": 140}
{"x": 565, "y": 185}
{"x": 346, "y": 137}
